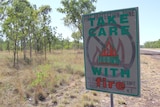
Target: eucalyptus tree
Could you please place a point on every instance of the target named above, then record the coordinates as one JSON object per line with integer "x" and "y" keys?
{"x": 24, "y": 11}
{"x": 32, "y": 26}
{"x": 50, "y": 37}
{"x": 54, "y": 38}
{"x": 15, "y": 24}
{"x": 60, "y": 41}
{"x": 45, "y": 21}
{"x": 77, "y": 37}
{"x": 74, "y": 9}
{"x": 25, "y": 25}
{"x": 10, "y": 29}
{"x": 66, "y": 43}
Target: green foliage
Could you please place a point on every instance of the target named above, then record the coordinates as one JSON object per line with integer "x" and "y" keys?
{"x": 27, "y": 27}
{"x": 74, "y": 9}
{"x": 77, "y": 37}
{"x": 152, "y": 44}
{"x": 3, "y": 5}
{"x": 41, "y": 75}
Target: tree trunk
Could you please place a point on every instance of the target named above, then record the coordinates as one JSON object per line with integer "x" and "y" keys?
{"x": 41, "y": 46}
{"x": 30, "y": 48}
{"x": 14, "y": 54}
{"x": 8, "y": 46}
{"x": 37, "y": 45}
{"x": 24, "y": 49}
{"x": 45, "y": 48}
{"x": 78, "y": 44}
{"x": 21, "y": 45}
{"x": 17, "y": 52}
{"x": 24, "y": 45}
{"x": 50, "y": 47}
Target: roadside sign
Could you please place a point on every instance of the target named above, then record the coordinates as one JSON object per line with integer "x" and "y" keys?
{"x": 111, "y": 51}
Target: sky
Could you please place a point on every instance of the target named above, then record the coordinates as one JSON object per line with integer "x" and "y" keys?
{"x": 149, "y": 17}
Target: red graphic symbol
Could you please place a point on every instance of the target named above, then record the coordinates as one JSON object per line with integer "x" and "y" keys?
{"x": 109, "y": 55}
{"x": 108, "y": 50}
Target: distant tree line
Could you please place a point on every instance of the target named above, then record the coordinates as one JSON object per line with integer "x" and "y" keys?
{"x": 152, "y": 44}
{"x": 58, "y": 44}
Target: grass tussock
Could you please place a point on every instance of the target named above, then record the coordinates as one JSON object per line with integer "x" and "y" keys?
{"x": 37, "y": 78}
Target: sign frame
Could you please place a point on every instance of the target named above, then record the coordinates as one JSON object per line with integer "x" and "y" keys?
{"x": 88, "y": 34}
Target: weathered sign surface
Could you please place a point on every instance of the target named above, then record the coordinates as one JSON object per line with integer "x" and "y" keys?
{"x": 111, "y": 51}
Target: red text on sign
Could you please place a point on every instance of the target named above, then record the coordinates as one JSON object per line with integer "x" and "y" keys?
{"x": 102, "y": 82}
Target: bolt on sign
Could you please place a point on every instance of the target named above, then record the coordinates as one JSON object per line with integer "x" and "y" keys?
{"x": 111, "y": 51}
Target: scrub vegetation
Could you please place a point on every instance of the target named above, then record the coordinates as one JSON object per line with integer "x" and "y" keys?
{"x": 59, "y": 82}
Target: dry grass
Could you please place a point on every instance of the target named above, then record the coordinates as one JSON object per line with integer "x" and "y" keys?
{"x": 150, "y": 88}
{"x": 38, "y": 78}
{"x": 59, "y": 82}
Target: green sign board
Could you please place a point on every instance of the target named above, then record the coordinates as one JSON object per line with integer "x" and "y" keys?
{"x": 111, "y": 51}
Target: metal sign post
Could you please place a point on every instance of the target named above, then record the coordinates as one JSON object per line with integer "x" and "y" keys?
{"x": 112, "y": 102}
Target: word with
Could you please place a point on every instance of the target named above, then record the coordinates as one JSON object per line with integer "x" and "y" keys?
{"x": 114, "y": 71}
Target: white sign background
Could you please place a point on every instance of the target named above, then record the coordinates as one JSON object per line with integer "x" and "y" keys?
{"x": 126, "y": 46}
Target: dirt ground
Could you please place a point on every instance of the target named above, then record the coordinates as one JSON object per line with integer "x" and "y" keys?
{"x": 74, "y": 94}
